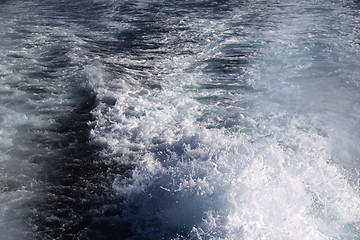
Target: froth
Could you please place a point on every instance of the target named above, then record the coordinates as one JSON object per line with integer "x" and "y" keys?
{"x": 216, "y": 146}
{"x": 199, "y": 182}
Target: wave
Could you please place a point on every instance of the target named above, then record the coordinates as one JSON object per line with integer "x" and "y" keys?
{"x": 179, "y": 120}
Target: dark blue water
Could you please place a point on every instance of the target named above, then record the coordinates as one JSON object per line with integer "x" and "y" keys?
{"x": 179, "y": 119}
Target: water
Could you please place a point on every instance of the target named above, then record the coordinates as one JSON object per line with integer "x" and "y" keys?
{"x": 179, "y": 119}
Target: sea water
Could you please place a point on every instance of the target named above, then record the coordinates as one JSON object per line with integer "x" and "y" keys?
{"x": 180, "y": 119}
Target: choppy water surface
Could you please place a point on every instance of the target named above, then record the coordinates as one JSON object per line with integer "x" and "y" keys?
{"x": 180, "y": 119}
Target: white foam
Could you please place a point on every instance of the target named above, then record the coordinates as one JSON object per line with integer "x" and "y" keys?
{"x": 17, "y": 174}
{"x": 275, "y": 178}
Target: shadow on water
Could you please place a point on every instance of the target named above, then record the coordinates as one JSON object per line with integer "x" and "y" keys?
{"x": 73, "y": 178}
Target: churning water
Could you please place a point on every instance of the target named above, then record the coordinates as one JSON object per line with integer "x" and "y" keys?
{"x": 154, "y": 119}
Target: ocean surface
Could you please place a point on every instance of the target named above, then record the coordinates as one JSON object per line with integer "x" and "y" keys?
{"x": 180, "y": 119}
